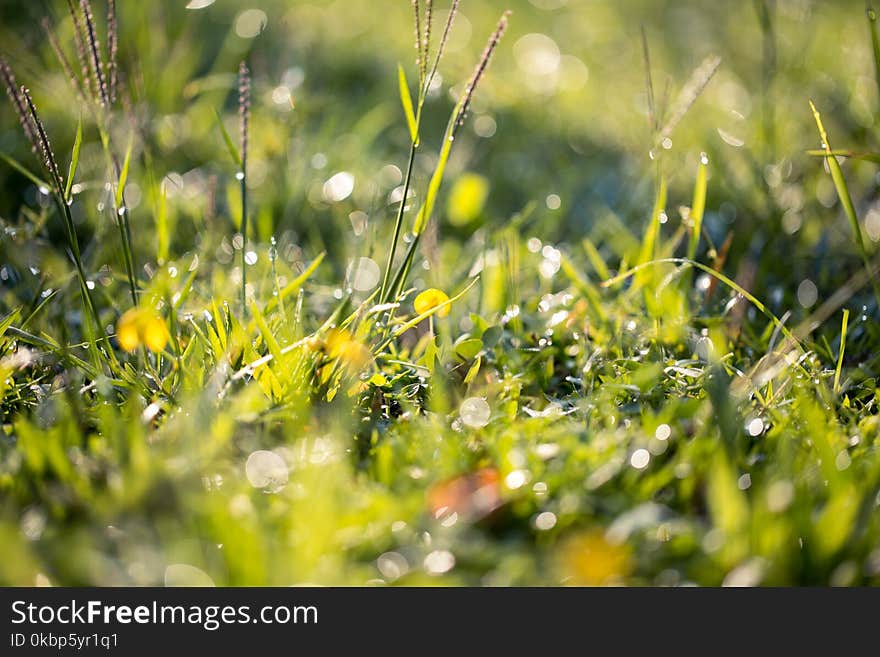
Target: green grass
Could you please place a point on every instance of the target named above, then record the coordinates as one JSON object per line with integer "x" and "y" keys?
{"x": 647, "y": 370}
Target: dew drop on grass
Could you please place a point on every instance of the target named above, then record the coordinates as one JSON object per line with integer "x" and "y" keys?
{"x": 744, "y": 482}
{"x": 338, "y": 187}
{"x": 475, "y": 412}
{"x": 183, "y": 574}
{"x": 755, "y": 427}
{"x": 251, "y": 23}
{"x": 250, "y": 257}
{"x": 663, "y": 432}
{"x": 439, "y": 562}
{"x": 363, "y": 274}
{"x": 545, "y": 521}
{"x": 266, "y": 470}
{"x": 359, "y": 220}
{"x": 807, "y": 293}
{"x": 392, "y": 565}
{"x": 639, "y": 459}
{"x": 516, "y": 479}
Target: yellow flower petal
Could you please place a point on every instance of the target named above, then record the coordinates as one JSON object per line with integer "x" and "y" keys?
{"x": 431, "y": 298}
{"x": 589, "y": 559}
{"x": 139, "y": 326}
{"x": 351, "y": 352}
{"x": 154, "y": 333}
{"x": 127, "y": 333}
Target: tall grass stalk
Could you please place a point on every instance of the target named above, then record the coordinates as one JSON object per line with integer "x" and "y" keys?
{"x": 456, "y": 120}
{"x": 57, "y": 189}
{"x": 95, "y": 53}
{"x": 414, "y": 118}
{"x": 845, "y": 199}
{"x": 244, "y": 105}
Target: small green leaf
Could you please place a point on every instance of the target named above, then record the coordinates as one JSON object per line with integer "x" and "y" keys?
{"x": 474, "y": 370}
{"x": 74, "y": 160}
{"x": 431, "y": 353}
{"x": 492, "y": 336}
{"x": 469, "y": 348}
{"x": 406, "y": 101}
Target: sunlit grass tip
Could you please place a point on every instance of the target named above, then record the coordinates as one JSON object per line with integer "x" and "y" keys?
{"x": 95, "y": 52}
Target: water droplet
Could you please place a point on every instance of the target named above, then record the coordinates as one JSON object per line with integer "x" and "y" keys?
{"x": 266, "y": 470}
{"x": 755, "y": 427}
{"x": 183, "y": 574}
{"x": 704, "y": 159}
{"x": 545, "y": 521}
{"x": 439, "y": 562}
{"x": 516, "y": 479}
{"x": 640, "y": 459}
{"x": 338, "y": 187}
{"x": 363, "y": 274}
{"x": 475, "y": 412}
{"x": 239, "y": 175}
{"x": 663, "y": 432}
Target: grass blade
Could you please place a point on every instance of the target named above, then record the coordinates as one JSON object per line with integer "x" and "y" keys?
{"x": 845, "y": 198}
{"x": 406, "y": 101}
{"x": 294, "y": 286}
{"x": 698, "y": 207}
{"x": 875, "y": 43}
{"x": 852, "y": 155}
{"x": 649, "y": 243}
{"x": 403, "y": 328}
{"x": 839, "y": 367}
{"x": 437, "y": 178}
{"x": 230, "y": 145}
{"x": 23, "y": 171}
{"x": 123, "y": 174}
{"x": 74, "y": 160}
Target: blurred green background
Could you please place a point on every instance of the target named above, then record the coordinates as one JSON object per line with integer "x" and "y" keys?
{"x": 560, "y": 138}
{"x": 562, "y": 114}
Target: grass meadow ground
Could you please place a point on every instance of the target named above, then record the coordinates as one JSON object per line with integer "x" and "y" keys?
{"x": 589, "y": 299}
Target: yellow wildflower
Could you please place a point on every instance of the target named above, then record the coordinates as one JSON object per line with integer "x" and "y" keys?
{"x": 431, "y": 298}
{"x": 590, "y": 559}
{"x": 351, "y": 352}
{"x": 140, "y": 326}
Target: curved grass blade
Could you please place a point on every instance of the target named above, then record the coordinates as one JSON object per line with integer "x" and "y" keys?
{"x": 845, "y": 198}
{"x": 74, "y": 160}
{"x": 406, "y": 101}
{"x": 230, "y": 145}
{"x": 294, "y": 286}
{"x": 698, "y": 207}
